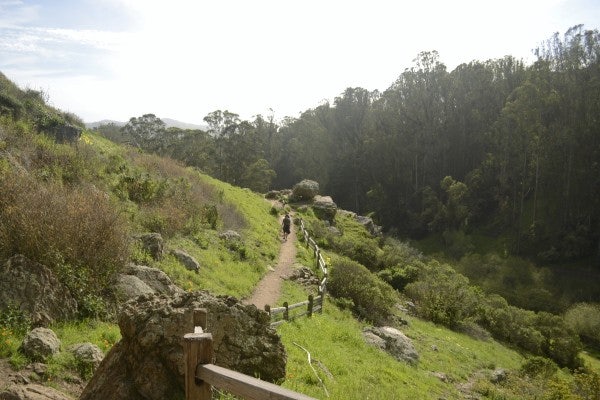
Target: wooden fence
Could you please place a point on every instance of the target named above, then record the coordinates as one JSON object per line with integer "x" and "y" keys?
{"x": 313, "y": 304}
{"x": 201, "y": 374}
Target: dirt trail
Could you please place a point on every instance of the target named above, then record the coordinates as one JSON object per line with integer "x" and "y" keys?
{"x": 268, "y": 289}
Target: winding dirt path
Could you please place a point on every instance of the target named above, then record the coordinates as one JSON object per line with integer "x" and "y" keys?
{"x": 268, "y": 289}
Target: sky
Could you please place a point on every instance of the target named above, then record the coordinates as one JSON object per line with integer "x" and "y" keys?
{"x": 182, "y": 59}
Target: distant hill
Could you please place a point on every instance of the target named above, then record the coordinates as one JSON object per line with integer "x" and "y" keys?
{"x": 168, "y": 122}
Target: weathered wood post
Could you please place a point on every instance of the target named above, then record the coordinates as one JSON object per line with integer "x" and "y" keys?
{"x": 309, "y": 311}
{"x": 197, "y": 349}
{"x": 286, "y": 312}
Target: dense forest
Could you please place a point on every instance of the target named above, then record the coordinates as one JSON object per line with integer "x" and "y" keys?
{"x": 496, "y": 148}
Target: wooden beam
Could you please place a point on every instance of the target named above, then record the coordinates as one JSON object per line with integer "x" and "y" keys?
{"x": 245, "y": 386}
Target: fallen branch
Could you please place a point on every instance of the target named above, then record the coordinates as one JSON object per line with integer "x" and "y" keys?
{"x": 313, "y": 368}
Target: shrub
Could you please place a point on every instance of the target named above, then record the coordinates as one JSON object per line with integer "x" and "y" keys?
{"x": 539, "y": 367}
{"x": 75, "y": 231}
{"x": 444, "y": 296}
{"x": 372, "y": 298}
{"x": 395, "y": 252}
{"x": 400, "y": 275}
{"x": 584, "y": 319}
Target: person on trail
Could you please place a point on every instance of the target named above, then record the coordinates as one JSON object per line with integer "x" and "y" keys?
{"x": 286, "y": 226}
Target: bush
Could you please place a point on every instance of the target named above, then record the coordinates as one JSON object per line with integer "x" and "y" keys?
{"x": 75, "y": 231}
{"x": 537, "y": 366}
{"x": 400, "y": 275}
{"x": 444, "y": 296}
{"x": 584, "y": 319}
{"x": 372, "y": 299}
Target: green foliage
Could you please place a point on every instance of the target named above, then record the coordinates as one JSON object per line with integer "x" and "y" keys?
{"x": 539, "y": 367}
{"x": 584, "y": 319}
{"x": 15, "y": 320}
{"x": 73, "y": 230}
{"x": 14, "y": 324}
{"x": 372, "y": 299}
{"x": 443, "y": 296}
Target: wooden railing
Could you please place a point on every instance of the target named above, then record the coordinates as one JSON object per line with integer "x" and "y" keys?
{"x": 313, "y": 304}
{"x": 201, "y": 374}
{"x": 321, "y": 264}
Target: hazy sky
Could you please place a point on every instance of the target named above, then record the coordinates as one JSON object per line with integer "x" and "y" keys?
{"x": 182, "y": 59}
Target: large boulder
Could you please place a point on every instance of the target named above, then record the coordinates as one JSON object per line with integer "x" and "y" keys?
{"x": 156, "y": 279}
{"x": 39, "y": 344}
{"x": 188, "y": 261}
{"x": 393, "y": 342}
{"x": 324, "y": 208}
{"x": 87, "y": 355}
{"x": 305, "y": 190}
{"x": 36, "y": 290}
{"x": 137, "y": 280}
{"x": 147, "y": 363}
{"x": 127, "y": 287}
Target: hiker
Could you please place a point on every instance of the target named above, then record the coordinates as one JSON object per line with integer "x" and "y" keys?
{"x": 286, "y": 226}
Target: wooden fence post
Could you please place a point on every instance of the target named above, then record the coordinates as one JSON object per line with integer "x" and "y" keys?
{"x": 286, "y": 312}
{"x": 197, "y": 349}
{"x": 309, "y": 311}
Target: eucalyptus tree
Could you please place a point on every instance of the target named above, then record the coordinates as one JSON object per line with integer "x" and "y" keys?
{"x": 146, "y": 131}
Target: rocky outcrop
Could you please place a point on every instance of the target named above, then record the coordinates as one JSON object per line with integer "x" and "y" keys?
{"x": 36, "y": 291}
{"x": 305, "y": 190}
{"x": 147, "y": 363}
{"x": 369, "y": 225}
{"x": 188, "y": 261}
{"x": 393, "y": 342}
{"x": 324, "y": 208}
{"x": 39, "y": 344}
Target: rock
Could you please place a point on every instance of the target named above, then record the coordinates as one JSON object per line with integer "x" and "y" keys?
{"x": 39, "y": 344}
{"x": 396, "y": 343}
{"x": 324, "y": 208}
{"x": 153, "y": 243}
{"x": 87, "y": 354}
{"x": 147, "y": 363}
{"x": 498, "y": 375}
{"x": 188, "y": 261}
{"x": 441, "y": 376}
{"x": 304, "y": 276}
{"x": 230, "y": 235}
{"x": 128, "y": 287}
{"x": 156, "y": 279}
{"x": 32, "y": 392}
{"x": 369, "y": 225}
{"x": 305, "y": 190}
{"x": 36, "y": 290}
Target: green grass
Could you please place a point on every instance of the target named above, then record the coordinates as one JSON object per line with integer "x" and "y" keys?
{"x": 359, "y": 371}
{"x": 102, "y": 334}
